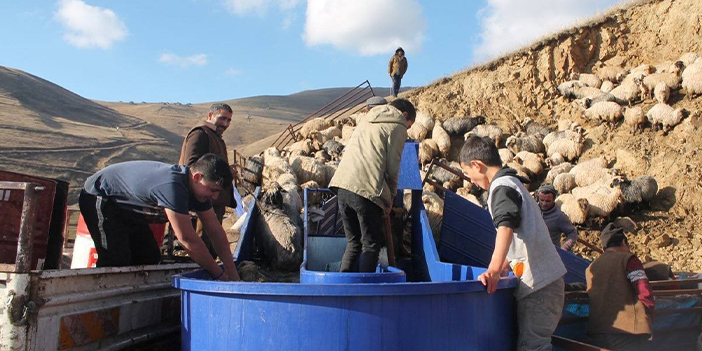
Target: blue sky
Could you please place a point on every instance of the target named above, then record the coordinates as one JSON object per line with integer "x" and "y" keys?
{"x": 208, "y": 50}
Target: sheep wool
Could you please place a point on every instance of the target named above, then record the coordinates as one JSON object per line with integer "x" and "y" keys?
{"x": 307, "y": 169}
{"x": 664, "y": 116}
{"x": 605, "y": 111}
{"x": 442, "y": 139}
{"x": 590, "y": 80}
{"x": 576, "y": 209}
{"x": 692, "y": 79}
{"x": 427, "y": 150}
{"x": 634, "y": 118}
{"x": 314, "y": 125}
{"x": 564, "y": 183}
{"x": 661, "y": 92}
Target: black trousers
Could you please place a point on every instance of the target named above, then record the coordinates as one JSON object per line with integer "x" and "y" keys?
{"x": 121, "y": 238}
{"x": 363, "y": 226}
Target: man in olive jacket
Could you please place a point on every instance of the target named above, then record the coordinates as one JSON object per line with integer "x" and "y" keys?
{"x": 366, "y": 181}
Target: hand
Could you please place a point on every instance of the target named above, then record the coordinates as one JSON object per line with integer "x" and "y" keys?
{"x": 567, "y": 245}
{"x": 490, "y": 280}
{"x": 387, "y": 211}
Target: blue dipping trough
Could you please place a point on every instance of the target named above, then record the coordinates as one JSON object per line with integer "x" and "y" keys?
{"x": 442, "y": 307}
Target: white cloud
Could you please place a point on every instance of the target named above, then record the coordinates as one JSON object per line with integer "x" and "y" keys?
{"x": 367, "y": 27}
{"x": 89, "y": 26}
{"x": 260, "y": 7}
{"x": 509, "y": 24}
{"x": 192, "y": 60}
{"x": 233, "y": 72}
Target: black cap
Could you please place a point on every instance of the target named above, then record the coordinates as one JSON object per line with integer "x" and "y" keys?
{"x": 611, "y": 234}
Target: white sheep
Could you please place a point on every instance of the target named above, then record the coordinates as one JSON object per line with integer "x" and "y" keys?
{"x": 643, "y": 68}
{"x": 427, "y": 150}
{"x": 562, "y": 134}
{"x": 576, "y": 209}
{"x": 505, "y": 155}
{"x": 274, "y": 167}
{"x": 568, "y": 148}
{"x": 688, "y": 58}
{"x": 492, "y": 131}
{"x": 634, "y": 118}
{"x": 692, "y": 79}
{"x": 442, "y": 139}
{"x": 434, "y": 207}
{"x": 314, "y": 198}
{"x": 307, "y": 169}
{"x": 279, "y": 234}
{"x": 314, "y": 125}
{"x": 594, "y": 175}
{"x": 611, "y": 73}
{"x": 663, "y": 116}
{"x": 661, "y": 92}
{"x": 672, "y": 78}
{"x": 322, "y": 136}
{"x": 564, "y": 183}
{"x": 602, "y": 198}
{"x": 590, "y": 80}
{"x": 304, "y": 146}
{"x": 555, "y": 159}
{"x": 630, "y": 91}
{"x": 605, "y": 111}
{"x": 521, "y": 170}
{"x": 588, "y": 165}
{"x": 564, "y": 167}
{"x": 466, "y": 194}
{"x": 533, "y": 164}
{"x": 347, "y": 132}
{"x": 585, "y": 92}
{"x": 607, "y": 86}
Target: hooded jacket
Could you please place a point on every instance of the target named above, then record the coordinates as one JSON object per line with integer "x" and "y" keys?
{"x": 397, "y": 66}
{"x": 371, "y": 160}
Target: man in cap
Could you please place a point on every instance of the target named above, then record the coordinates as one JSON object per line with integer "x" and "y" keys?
{"x": 556, "y": 221}
{"x": 621, "y": 300}
{"x": 396, "y": 69}
{"x": 375, "y": 101}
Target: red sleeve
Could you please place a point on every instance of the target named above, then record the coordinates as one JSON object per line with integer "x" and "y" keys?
{"x": 637, "y": 276}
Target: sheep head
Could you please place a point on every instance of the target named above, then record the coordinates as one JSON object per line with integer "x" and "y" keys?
{"x": 272, "y": 195}
{"x": 583, "y": 204}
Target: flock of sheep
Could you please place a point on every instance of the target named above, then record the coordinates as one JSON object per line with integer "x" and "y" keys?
{"x": 588, "y": 188}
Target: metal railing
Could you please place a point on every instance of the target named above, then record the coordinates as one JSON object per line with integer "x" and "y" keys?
{"x": 347, "y": 103}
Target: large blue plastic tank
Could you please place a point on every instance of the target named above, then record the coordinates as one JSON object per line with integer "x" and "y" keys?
{"x": 444, "y": 309}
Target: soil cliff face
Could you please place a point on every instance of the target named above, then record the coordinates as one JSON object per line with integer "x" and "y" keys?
{"x": 523, "y": 84}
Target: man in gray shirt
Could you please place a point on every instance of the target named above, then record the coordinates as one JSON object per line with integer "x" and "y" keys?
{"x": 556, "y": 221}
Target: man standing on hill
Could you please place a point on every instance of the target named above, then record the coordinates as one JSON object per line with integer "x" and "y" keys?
{"x": 397, "y": 68}
{"x": 204, "y": 139}
{"x": 366, "y": 181}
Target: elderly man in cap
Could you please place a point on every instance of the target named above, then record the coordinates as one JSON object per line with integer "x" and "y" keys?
{"x": 621, "y": 300}
{"x": 556, "y": 221}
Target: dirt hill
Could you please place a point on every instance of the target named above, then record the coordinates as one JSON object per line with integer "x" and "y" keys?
{"x": 523, "y": 84}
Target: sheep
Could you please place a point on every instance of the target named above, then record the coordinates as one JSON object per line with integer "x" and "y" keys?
{"x": 314, "y": 198}
{"x": 427, "y": 150}
{"x": 314, "y": 125}
{"x": 562, "y": 134}
{"x": 532, "y": 127}
{"x": 270, "y": 154}
{"x": 462, "y": 125}
{"x": 442, "y": 139}
{"x": 505, "y": 155}
{"x": 643, "y": 68}
{"x": 333, "y": 149}
{"x": 466, "y": 194}
{"x": 555, "y": 171}
{"x": 638, "y": 190}
{"x": 611, "y": 73}
{"x": 569, "y": 148}
{"x": 566, "y": 124}
{"x": 663, "y": 116}
{"x": 308, "y": 168}
{"x": 590, "y": 80}
{"x": 554, "y": 160}
{"x": 304, "y": 146}
{"x": 424, "y": 119}
{"x": 279, "y": 235}
{"x": 588, "y": 165}
{"x": 672, "y": 78}
{"x": 520, "y": 142}
{"x": 423, "y": 124}
{"x": 630, "y": 91}
{"x": 607, "y": 86}
{"x": 347, "y": 132}
{"x": 576, "y": 209}
{"x": 594, "y": 175}
{"x": 605, "y": 111}
{"x": 329, "y": 170}
{"x": 567, "y": 89}
{"x": 564, "y": 183}
{"x": 584, "y": 92}
{"x": 688, "y": 58}
{"x": 532, "y": 163}
{"x": 521, "y": 170}
{"x": 491, "y": 131}
{"x": 274, "y": 168}
{"x": 602, "y": 198}
{"x": 634, "y": 118}
{"x": 434, "y": 207}
{"x": 253, "y": 171}
{"x": 321, "y": 137}
{"x": 692, "y": 79}
{"x": 321, "y": 156}
{"x": 446, "y": 178}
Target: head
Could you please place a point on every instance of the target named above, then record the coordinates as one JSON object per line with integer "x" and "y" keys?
{"x": 407, "y": 110}
{"x": 479, "y": 160}
{"x": 375, "y": 101}
{"x": 400, "y": 52}
{"x": 208, "y": 176}
{"x": 613, "y": 238}
{"x": 547, "y": 197}
{"x": 220, "y": 115}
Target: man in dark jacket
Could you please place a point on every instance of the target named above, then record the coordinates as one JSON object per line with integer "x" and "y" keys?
{"x": 207, "y": 138}
{"x": 556, "y": 221}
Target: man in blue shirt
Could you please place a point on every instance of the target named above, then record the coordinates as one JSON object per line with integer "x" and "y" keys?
{"x": 119, "y": 202}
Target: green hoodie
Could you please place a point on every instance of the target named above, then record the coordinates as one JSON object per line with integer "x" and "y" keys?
{"x": 371, "y": 160}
